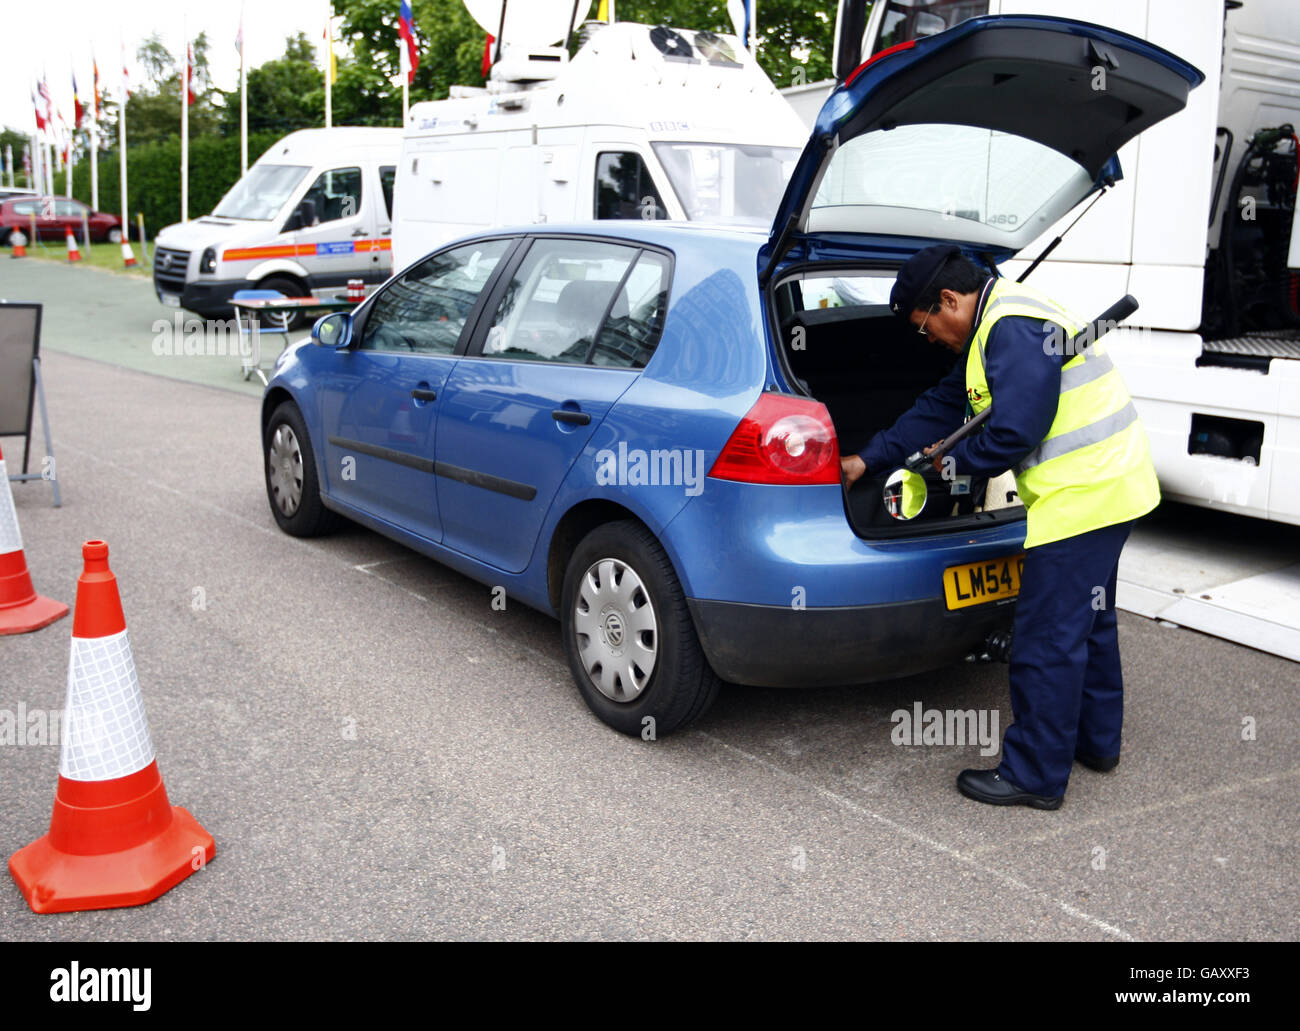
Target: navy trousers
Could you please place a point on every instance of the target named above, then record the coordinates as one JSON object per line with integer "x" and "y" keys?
{"x": 1067, "y": 692}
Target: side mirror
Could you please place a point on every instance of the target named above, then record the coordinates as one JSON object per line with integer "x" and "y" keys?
{"x": 334, "y": 330}
{"x": 303, "y": 215}
{"x": 905, "y": 494}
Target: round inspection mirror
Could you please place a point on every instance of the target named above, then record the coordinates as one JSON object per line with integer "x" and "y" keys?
{"x": 904, "y": 494}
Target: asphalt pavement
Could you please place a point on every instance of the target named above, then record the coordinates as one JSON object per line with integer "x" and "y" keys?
{"x": 381, "y": 754}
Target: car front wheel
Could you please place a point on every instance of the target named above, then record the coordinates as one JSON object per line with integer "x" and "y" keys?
{"x": 291, "y": 484}
{"x": 628, "y": 635}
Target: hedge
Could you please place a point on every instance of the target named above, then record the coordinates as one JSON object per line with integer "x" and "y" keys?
{"x": 154, "y": 177}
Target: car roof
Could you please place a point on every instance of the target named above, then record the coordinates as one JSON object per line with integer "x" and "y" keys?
{"x": 664, "y": 232}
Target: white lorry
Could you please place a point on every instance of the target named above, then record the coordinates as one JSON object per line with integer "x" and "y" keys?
{"x": 313, "y": 212}
{"x": 643, "y": 122}
{"x": 1197, "y": 230}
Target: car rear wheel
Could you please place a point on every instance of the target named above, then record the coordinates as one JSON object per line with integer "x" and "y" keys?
{"x": 291, "y": 484}
{"x": 628, "y": 635}
{"x": 114, "y": 234}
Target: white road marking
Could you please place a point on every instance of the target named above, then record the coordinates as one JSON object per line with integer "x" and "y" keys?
{"x": 961, "y": 857}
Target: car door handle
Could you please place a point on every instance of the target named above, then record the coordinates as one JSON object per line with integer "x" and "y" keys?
{"x": 424, "y": 395}
{"x": 358, "y": 232}
{"x": 568, "y": 415}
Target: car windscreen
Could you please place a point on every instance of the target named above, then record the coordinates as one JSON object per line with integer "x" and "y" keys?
{"x": 949, "y": 182}
{"x": 728, "y": 183}
{"x": 261, "y": 193}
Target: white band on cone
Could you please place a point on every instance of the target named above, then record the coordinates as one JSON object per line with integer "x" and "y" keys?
{"x": 10, "y": 538}
{"x": 105, "y": 731}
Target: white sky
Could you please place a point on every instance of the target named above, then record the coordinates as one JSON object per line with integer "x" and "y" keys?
{"x": 59, "y": 37}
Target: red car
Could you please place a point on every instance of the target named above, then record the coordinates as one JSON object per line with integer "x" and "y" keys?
{"x": 54, "y": 216}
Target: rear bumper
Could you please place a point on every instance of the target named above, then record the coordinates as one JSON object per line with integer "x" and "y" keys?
{"x": 781, "y": 646}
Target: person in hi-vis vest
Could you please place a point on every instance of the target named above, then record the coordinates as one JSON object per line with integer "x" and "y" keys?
{"x": 1067, "y": 428}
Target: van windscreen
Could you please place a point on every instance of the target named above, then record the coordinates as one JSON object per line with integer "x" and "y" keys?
{"x": 727, "y": 182}
{"x": 261, "y": 194}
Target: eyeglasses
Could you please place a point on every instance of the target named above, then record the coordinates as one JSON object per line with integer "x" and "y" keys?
{"x": 924, "y": 321}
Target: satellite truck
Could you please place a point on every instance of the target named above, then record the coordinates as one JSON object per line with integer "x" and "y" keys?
{"x": 1201, "y": 229}
{"x": 645, "y": 121}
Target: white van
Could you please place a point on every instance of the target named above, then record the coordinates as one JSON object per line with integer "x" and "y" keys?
{"x": 643, "y": 122}
{"x": 313, "y": 212}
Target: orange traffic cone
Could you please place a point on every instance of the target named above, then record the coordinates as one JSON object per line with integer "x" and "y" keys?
{"x": 128, "y": 258}
{"x": 115, "y": 839}
{"x": 18, "y": 240}
{"x": 73, "y": 253}
{"x": 21, "y": 608}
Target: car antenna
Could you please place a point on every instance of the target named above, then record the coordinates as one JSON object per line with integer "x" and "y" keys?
{"x": 1061, "y": 236}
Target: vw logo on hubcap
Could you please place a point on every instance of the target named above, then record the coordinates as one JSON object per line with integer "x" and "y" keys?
{"x": 614, "y": 629}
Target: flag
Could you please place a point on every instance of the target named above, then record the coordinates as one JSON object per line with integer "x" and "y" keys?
{"x": 406, "y": 31}
{"x": 78, "y": 108}
{"x": 40, "y": 118}
{"x": 239, "y": 36}
{"x": 94, "y": 65}
{"x": 46, "y": 107}
{"x": 126, "y": 76}
{"x": 487, "y": 54}
{"x": 189, "y": 73}
{"x": 332, "y": 62}
{"x": 742, "y": 17}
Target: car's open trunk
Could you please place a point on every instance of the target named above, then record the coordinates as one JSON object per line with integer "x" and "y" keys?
{"x": 868, "y": 368}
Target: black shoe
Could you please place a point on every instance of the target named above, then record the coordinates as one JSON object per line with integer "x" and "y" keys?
{"x": 1102, "y": 764}
{"x": 991, "y": 787}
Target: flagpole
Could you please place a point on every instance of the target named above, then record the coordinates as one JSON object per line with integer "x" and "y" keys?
{"x": 72, "y": 160}
{"x": 329, "y": 64}
{"x": 121, "y": 157}
{"x": 406, "y": 76}
{"x": 94, "y": 134}
{"x": 121, "y": 151}
{"x": 185, "y": 133}
{"x": 243, "y": 99}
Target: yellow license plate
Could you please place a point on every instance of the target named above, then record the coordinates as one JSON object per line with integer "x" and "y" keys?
{"x": 979, "y": 582}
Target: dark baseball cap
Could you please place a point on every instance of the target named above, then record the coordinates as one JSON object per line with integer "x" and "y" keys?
{"x": 916, "y": 277}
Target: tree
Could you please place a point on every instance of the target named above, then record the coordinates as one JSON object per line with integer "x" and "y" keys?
{"x": 795, "y": 40}
{"x": 284, "y": 94}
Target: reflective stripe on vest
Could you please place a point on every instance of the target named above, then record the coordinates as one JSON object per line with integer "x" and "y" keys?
{"x": 1089, "y": 471}
{"x": 1084, "y": 436}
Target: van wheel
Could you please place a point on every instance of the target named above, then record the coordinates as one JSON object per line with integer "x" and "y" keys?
{"x": 290, "y": 288}
{"x": 291, "y": 484}
{"x": 628, "y": 635}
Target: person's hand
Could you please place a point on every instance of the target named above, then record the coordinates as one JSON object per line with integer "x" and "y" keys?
{"x": 851, "y": 469}
{"x": 938, "y": 459}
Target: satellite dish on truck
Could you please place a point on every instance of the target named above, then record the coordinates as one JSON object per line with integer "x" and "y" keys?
{"x": 529, "y": 23}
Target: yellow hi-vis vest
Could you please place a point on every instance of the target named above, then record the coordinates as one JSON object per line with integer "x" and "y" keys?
{"x": 1093, "y": 468}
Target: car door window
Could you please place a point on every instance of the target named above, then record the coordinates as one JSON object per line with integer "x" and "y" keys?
{"x": 26, "y": 207}
{"x": 556, "y": 300}
{"x": 67, "y": 209}
{"x": 388, "y": 176}
{"x": 624, "y": 188}
{"x": 630, "y": 334}
{"x": 336, "y": 194}
{"x": 425, "y": 309}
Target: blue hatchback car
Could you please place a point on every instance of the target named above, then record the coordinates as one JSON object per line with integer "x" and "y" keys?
{"x": 636, "y": 426}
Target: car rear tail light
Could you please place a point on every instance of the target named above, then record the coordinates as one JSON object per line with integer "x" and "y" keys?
{"x": 782, "y": 439}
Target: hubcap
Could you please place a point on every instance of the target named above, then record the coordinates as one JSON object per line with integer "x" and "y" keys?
{"x": 618, "y": 636}
{"x": 284, "y": 469}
